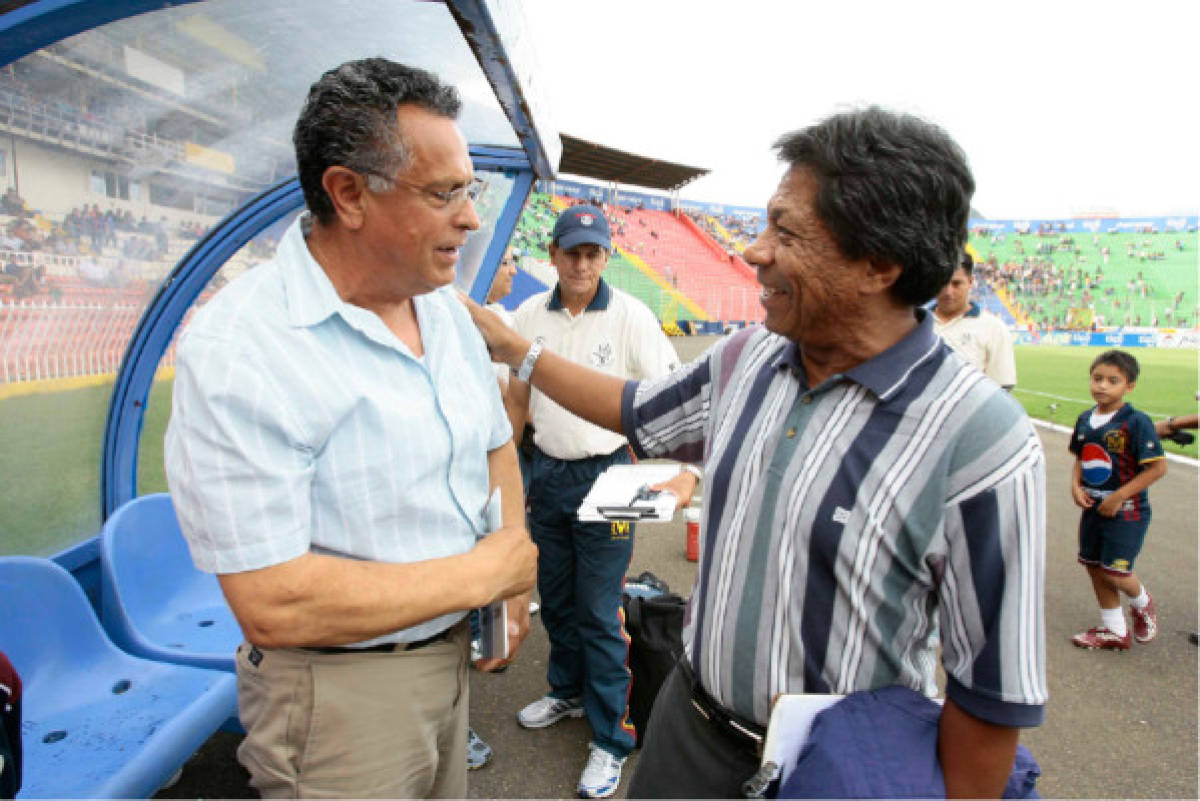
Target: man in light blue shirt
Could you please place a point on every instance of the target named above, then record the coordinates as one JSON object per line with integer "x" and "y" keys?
{"x": 335, "y": 438}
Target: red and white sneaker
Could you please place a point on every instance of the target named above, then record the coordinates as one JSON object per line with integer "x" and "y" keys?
{"x": 1145, "y": 621}
{"x": 1101, "y": 637}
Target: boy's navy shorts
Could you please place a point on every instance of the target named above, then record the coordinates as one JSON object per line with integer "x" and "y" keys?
{"x": 1110, "y": 543}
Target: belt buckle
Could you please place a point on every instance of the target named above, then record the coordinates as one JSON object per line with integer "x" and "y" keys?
{"x": 712, "y": 712}
{"x": 751, "y": 735}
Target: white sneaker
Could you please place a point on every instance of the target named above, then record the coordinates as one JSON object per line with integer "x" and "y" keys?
{"x": 601, "y": 775}
{"x": 547, "y": 710}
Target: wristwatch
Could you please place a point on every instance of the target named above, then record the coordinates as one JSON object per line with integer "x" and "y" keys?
{"x": 531, "y": 357}
{"x": 695, "y": 471}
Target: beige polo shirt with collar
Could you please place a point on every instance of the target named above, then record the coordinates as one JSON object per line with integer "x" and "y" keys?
{"x": 616, "y": 334}
{"x": 983, "y": 340}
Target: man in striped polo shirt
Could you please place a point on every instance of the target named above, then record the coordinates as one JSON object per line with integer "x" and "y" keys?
{"x": 865, "y": 483}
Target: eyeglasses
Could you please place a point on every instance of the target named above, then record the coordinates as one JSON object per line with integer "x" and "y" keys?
{"x": 446, "y": 198}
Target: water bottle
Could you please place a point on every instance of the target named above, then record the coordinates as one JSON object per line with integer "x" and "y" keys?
{"x": 692, "y": 542}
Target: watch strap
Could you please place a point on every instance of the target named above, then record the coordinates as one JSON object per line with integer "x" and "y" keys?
{"x": 531, "y": 357}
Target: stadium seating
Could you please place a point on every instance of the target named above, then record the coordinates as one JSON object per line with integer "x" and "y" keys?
{"x": 154, "y": 602}
{"x": 533, "y": 228}
{"x": 678, "y": 251}
{"x": 98, "y": 723}
{"x": 734, "y": 233}
{"x": 622, "y": 274}
{"x": 1041, "y": 277}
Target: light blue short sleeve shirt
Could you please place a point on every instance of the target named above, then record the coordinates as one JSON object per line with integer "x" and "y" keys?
{"x": 300, "y": 423}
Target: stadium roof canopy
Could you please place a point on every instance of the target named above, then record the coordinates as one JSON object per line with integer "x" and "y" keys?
{"x": 590, "y": 160}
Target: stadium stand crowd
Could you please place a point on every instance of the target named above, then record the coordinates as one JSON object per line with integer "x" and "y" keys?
{"x": 731, "y": 230}
{"x": 686, "y": 267}
{"x": 679, "y": 269}
{"x": 1054, "y": 280}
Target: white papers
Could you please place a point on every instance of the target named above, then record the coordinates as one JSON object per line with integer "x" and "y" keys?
{"x": 791, "y": 719}
{"x": 493, "y": 631}
{"x": 612, "y": 497}
{"x": 493, "y": 618}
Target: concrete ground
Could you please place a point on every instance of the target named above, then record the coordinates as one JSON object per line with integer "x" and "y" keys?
{"x": 1118, "y": 725}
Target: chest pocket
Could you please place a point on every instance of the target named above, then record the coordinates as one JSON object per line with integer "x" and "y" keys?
{"x": 602, "y": 355}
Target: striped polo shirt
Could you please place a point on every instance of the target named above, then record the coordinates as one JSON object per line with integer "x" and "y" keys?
{"x": 844, "y": 522}
{"x": 300, "y": 423}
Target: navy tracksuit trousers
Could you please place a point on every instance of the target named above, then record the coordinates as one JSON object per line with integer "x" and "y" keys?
{"x": 581, "y": 571}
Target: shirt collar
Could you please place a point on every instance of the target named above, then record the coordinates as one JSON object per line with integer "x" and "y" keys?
{"x": 599, "y": 300}
{"x": 311, "y": 298}
{"x": 885, "y": 373}
{"x": 973, "y": 310}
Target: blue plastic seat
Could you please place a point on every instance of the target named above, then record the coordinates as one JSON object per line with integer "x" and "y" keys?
{"x": 98, "y": 723}
{"x": 154, "y": 602}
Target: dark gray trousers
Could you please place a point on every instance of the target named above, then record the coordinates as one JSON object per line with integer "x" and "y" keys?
{"x": 686, "y": 756}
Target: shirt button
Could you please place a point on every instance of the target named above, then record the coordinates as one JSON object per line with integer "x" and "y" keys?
{"x": 791, "y": 432}
{"x": 807, "y": 399}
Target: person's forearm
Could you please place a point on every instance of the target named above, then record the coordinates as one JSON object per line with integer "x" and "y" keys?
{"x": 594, "y": 396}
{"x": 1142, "y": 480}
{"x": 586, "y": 393}
{"x": 326, "y": 600}
{"x": 977, "y": 757}
{"x": 505, "y": 473}
{"x": 1174, "y": 424}
{"x": 516, "y": 406}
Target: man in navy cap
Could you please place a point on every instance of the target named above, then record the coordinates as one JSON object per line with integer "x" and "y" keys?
{"x": 581, "y": 567}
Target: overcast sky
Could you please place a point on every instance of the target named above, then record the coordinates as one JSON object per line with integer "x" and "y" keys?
{"x": 1062, "y": 107}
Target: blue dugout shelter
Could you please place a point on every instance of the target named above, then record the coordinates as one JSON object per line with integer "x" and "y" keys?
{"x": 171, "y": 123}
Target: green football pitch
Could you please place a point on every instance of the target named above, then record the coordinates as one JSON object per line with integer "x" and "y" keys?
{"x": 1052, "y": 384}
{"x": 50, "y": 442}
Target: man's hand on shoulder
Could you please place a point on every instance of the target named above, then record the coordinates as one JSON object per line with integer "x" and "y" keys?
{"x": 503, "y": 343}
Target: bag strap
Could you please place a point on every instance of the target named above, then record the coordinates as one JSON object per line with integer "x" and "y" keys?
{"x": 633, "y": 613}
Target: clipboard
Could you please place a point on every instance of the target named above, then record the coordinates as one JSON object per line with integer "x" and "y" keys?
{"x": 618, "y": 494}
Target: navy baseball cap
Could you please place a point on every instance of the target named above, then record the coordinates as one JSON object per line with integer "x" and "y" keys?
{"x": 581, "y": 225}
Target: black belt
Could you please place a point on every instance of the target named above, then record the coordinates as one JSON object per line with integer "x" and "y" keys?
{"x": 382, "y": 648}
{"x": 744, "y": 732}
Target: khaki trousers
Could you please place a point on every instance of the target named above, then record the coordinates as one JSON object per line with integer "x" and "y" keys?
{"x": 371, "y": 725}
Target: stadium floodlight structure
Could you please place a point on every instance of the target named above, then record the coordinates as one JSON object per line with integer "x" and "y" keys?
{"x": 180, "y": 113}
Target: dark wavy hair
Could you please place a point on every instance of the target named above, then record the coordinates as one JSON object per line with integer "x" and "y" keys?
{"x": 349, "y": 120}
{"x": 891, "y": 187}
{"x": 1123, "y": 361}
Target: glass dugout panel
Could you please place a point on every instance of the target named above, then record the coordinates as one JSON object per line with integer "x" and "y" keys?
{"x": 124, "y": 146}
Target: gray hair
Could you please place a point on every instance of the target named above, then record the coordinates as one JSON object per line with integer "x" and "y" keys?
{"x": 889, "y": 186}
{"x": 349, "y": 120}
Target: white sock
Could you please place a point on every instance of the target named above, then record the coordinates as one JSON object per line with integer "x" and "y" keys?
{"x": 1142, "y": 599}
{"x": 1114, "y": 621}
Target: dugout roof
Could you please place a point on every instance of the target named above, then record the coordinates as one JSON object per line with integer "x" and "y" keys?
{"x": 592, "y": 160}
{"x": 180, "y": 113}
